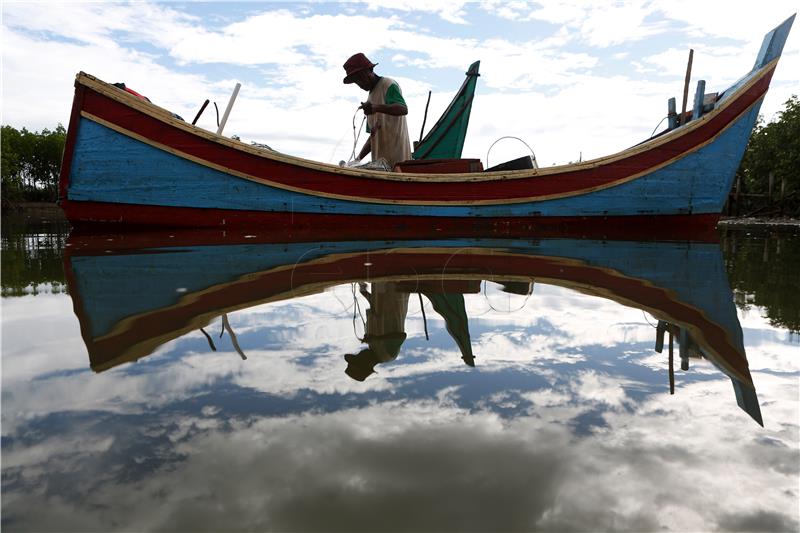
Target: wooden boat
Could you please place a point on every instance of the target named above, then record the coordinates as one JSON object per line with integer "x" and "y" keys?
{"x": 132, "y": 163}
{"x": 133, "y": 292}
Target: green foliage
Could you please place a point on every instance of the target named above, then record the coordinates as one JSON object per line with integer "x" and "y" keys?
{"x": 30, "y": 164}
{"x": 762, "y": 269}
{"x": 774, "y": 148}
{"x": 31, "y": 258}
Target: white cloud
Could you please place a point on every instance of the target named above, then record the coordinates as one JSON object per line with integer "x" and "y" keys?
{"x": 557, "y": 87}
{"x": 448, "y": 10}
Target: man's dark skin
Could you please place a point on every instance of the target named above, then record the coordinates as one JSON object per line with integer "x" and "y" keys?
{"x": 366, "y": 80}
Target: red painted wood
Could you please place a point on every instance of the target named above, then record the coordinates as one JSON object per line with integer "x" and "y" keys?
{"x": 321, "y": 182}
{"x": 290, "y": 227}
{"x": 440, "y": 166}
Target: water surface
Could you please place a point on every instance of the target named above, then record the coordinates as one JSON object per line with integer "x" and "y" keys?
{"x": 185, "y": 382}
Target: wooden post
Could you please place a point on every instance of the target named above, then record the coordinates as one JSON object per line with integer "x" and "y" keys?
{"x": 736, "y": 195}
{"x": 672, "y": 114}
{"x": 770, "y": 183}
{"x": 683, "y": 349}
{"x": 783, "y": 192}
{"x": 699, "y": 96}
{"x": 202, "y": 108}
{"x": 686, "y": 86}
{"x": 660, "y": 329}
{"x": 228, "y": 109}
{"x": 671, "y": 367}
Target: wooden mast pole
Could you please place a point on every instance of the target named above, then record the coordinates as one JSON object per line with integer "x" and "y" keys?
{"x": 686, "y": 87}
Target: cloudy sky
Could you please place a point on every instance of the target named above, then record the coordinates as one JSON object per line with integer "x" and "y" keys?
{"x": 570, "y": 79}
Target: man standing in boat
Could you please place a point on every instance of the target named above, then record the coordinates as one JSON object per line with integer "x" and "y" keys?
{"x": 385, "y": 109}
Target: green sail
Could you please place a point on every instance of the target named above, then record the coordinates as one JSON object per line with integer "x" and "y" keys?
{"x": 445, "y": 140}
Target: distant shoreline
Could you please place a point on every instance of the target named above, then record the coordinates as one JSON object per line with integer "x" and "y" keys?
{"x": 754, "y": 222}
{"x": 36, "y": 212}
{"x": 49, "y": 211}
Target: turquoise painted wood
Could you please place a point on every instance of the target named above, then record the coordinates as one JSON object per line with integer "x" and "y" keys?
{"x": 773, "y": 43}
{"x": 111, "y": 167}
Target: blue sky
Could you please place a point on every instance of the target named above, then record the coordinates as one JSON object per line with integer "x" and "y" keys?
{"x": 571, "y": 79}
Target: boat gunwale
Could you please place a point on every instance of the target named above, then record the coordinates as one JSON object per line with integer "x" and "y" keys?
{"x": 163, "y": 115}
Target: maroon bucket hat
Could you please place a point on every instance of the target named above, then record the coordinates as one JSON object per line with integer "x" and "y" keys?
{"x": 356, "y": 64}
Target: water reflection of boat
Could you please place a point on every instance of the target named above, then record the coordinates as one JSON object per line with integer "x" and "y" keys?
{"x": 132, "y": 298}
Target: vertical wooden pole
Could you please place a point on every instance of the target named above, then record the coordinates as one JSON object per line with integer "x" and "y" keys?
{"x": 770, "y": 183}
{"x": 671, "y": 367}
{"x": 660, "y": 329}
{"x": 683, "y": 349}
{"x": 686, "y": 87}
{"x": 672, "y": 114}
{"x": 228, "y": 109}
{"x": 699, "y": 96}
{"x": 783, "y": 191}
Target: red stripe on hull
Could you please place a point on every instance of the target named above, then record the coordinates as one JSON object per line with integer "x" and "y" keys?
{"x": 279, "y": 227}
{"x": 321, "y": 182}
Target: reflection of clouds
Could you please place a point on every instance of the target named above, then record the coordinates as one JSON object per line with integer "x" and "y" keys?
{"x": 658, "y": 362}
{"x": 153, "y": 385}
{"x": 190, "y": 439}
{"x": 47, "y": 322}
{"x": 566, "y": 320}
{"x": 420, "y": 465}
{"x": 768, "y": 348}
{"x": 594, "y": 387}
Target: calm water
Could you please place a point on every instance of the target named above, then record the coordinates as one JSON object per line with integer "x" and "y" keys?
{"x": 189, "y": 382}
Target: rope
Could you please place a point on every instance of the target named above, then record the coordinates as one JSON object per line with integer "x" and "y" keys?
{"x": 510, "y": 137}
{"x": 357, "y": 313}
{"x": 356, "y": 137}
{"x": 486, "y": 297}
{"x": 657, "y": 125}
{"x": 648, "y": 321}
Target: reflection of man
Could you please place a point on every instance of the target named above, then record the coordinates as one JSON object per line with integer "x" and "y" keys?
{"x": 385, "y": 109}
{"x": 385, "y": 329}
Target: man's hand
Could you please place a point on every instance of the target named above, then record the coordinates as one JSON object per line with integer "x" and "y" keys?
{"x": 397, "y": 110}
